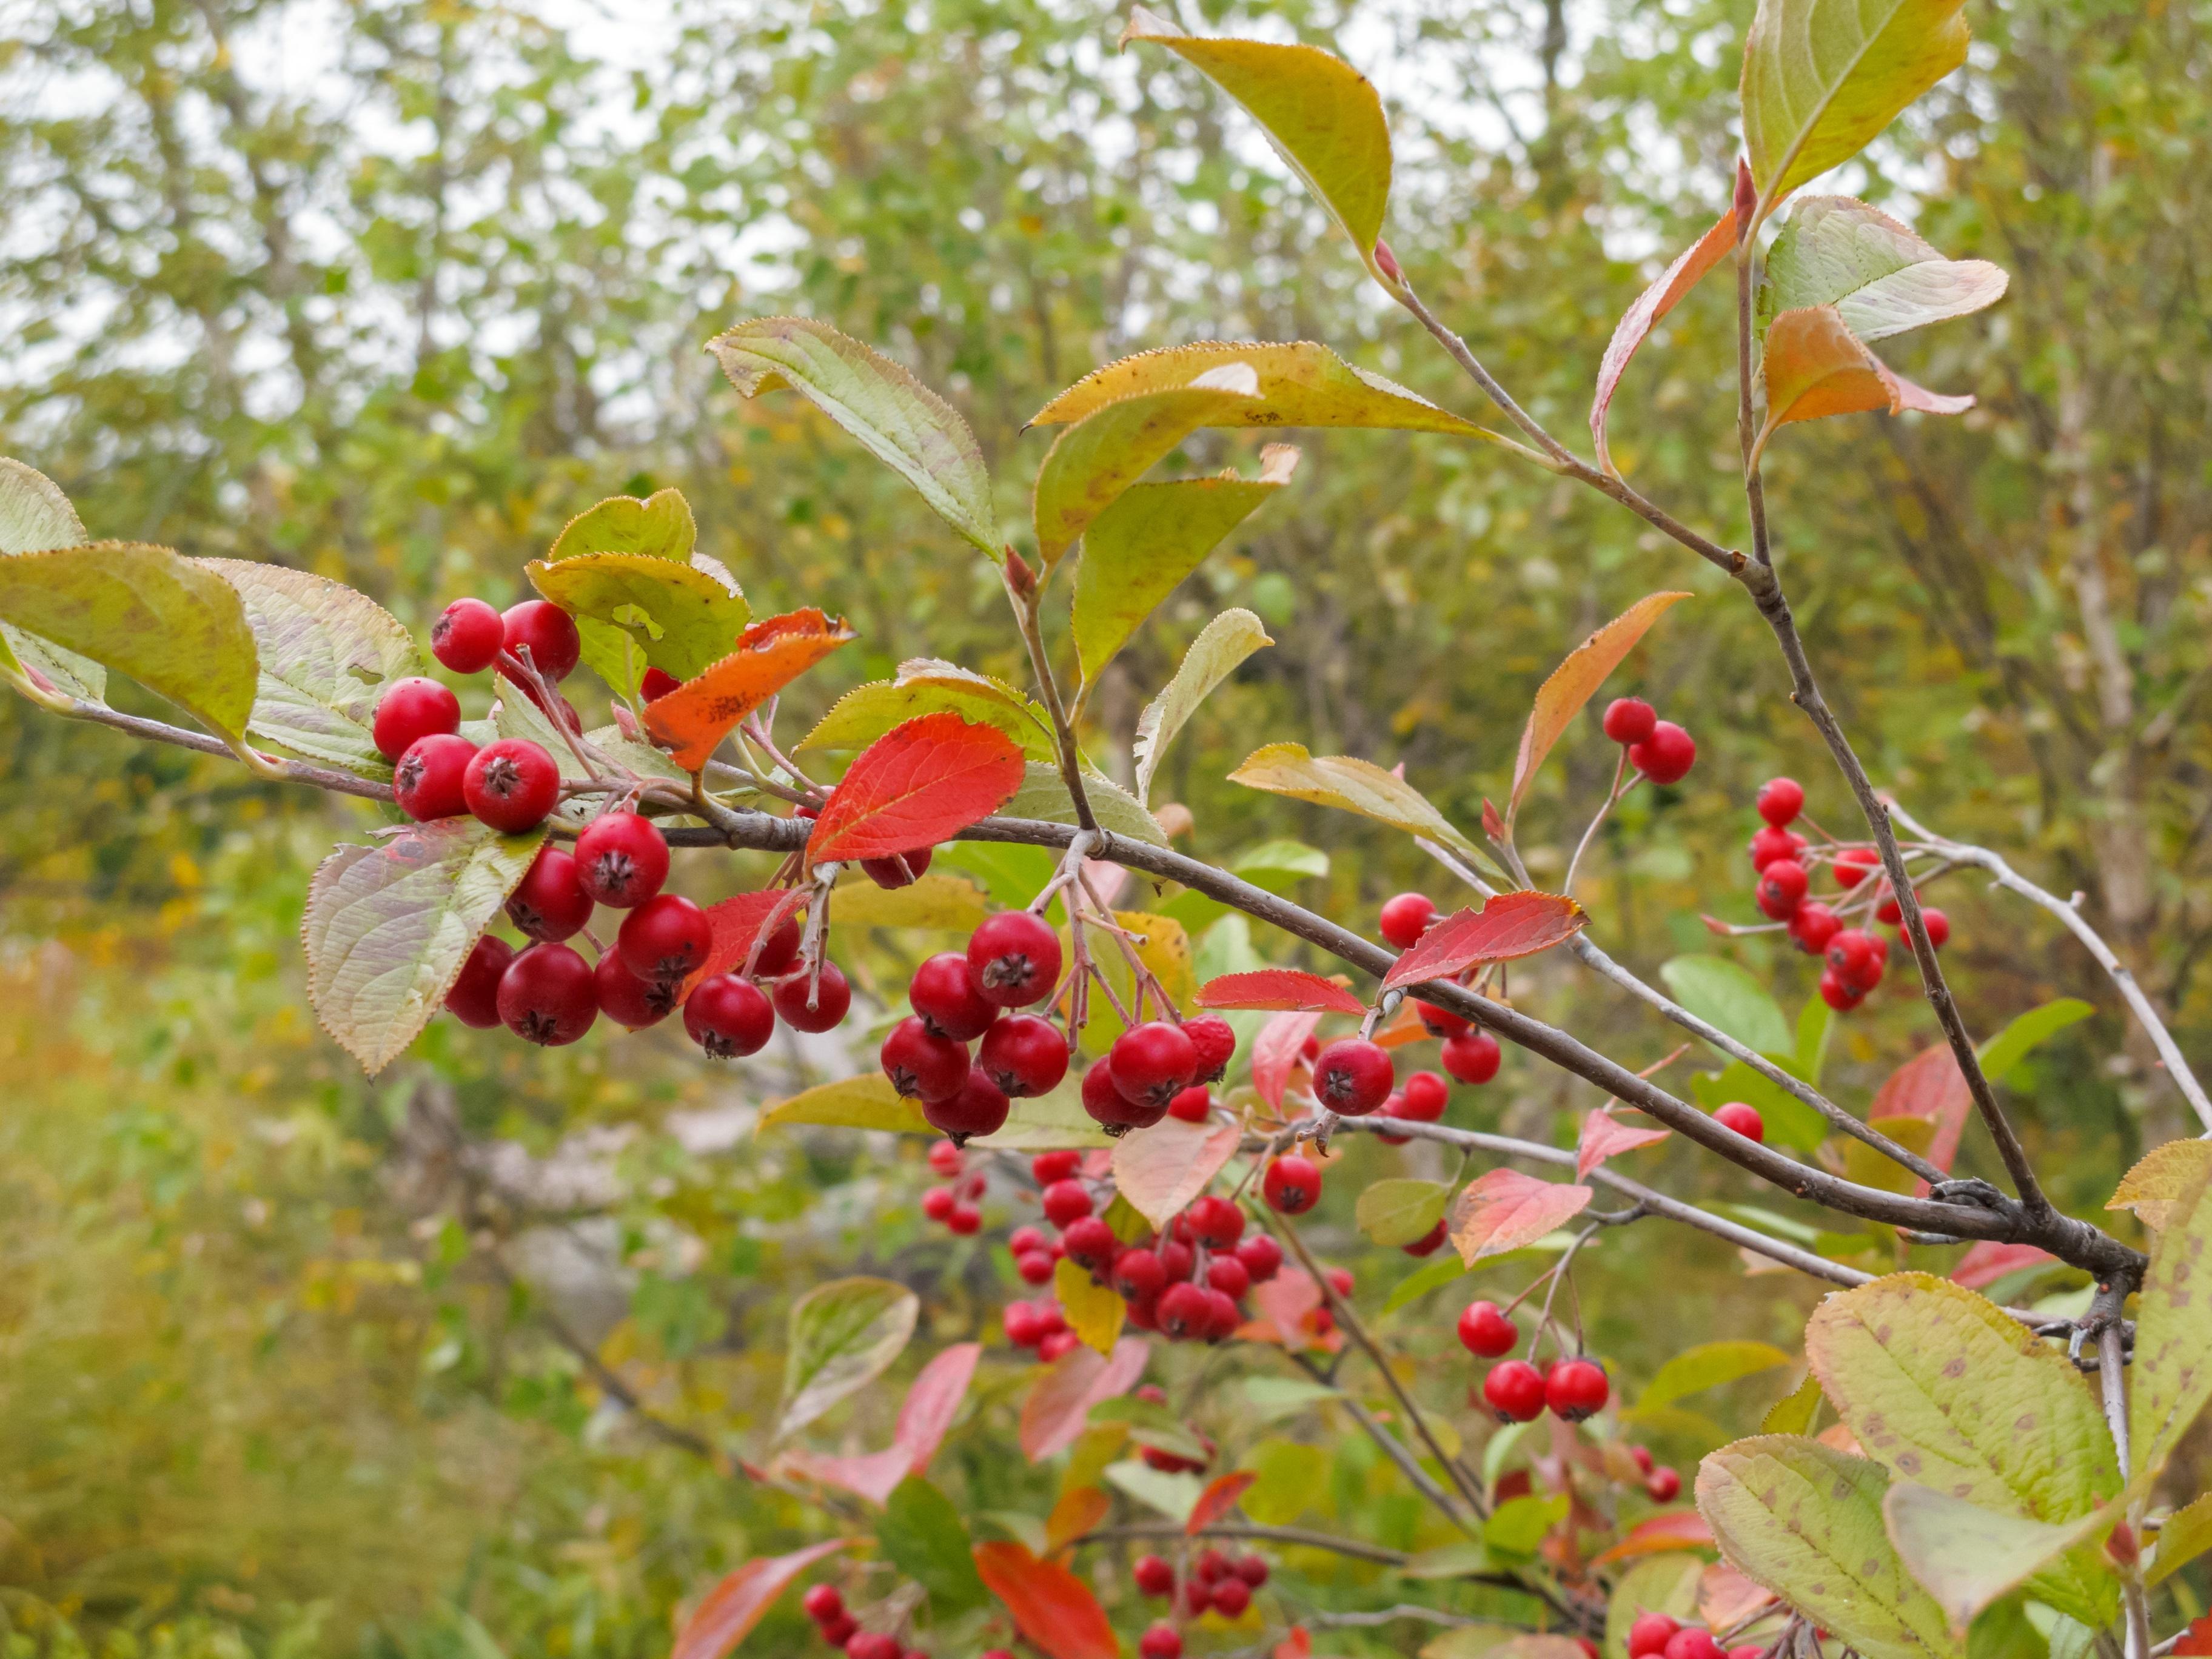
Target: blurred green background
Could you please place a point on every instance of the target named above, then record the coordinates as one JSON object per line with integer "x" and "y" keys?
{"x": 389, "y": 290}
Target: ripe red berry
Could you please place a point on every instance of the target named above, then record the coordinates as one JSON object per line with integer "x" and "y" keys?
{"x": 1429, "y": 1243}
{"x": 1472, "y": 1057}
{"x": 778, "y": 952}
{"x": 547, "y": 995}
{"x": 1253, "y": 1570}
{"x": 1194, "y": 1105}
{"x": 1160, "y": 1642}
{"x": 1837, "y": 996}
{"x": 978, "y": 1107}
{"x": 1780, "y": 801}
{"x": 1226, "y": 1274}
{"x": 467, "y": 636}
{"x": 1153, "y": 1576}
{"x": 1215, "y": 1222}
{"x": 1110, "y": 1109}
{"x": 1939, "y": 926}
{"x": 1048, "y": 1166}
{"x": 1852, "y": 955}
{"x": 666, "y": 938}
{"x": 1629, "y": 720}
{"x": 1769, "y": 843}
{"x": 832, "y": 996}
{"x": 871, "y": 1645}
{"x": 1340, "y": 1279}
{"x": 1576, "y": 1389}
{"x": 1184, "y": 1313}
{"x": 411, "y": 709}
{"x": 1439, "y": 1022}
{"x": 1014, "y": 959}
{"x": 1035, "y": 1267}
{"x": 1514, "y": 1391}
{"x": 1024, "y": 1055}
{"x": 474, "y": 998}
{"x": 1215, "y": 1040}
{"x": 1693, "y": 1643}
{"x": 1056, "y": 1343}
{"x": 1138, "y": 1275}
{"x": 1854, "y": 864}
{"x": 1231, "y": 1597}
{"x": 1486, "y": 1332}
{"x": 1262, "y": 1256}
{"x": 1152, "y": 1063}
{"x": 548, "y": 633}
{"x": 1649, "y": 1636}
{"x": 549, "y": 903}
{"x": 936, "y": 1203}
{"x": 657, "y": 683}
{"x": 728, "y": 1016}
{"x": 1782, "y": 887}
{"x": 966, "y": 1220}
{"x": 902, "y": 870}
{"x": 944, "y": 997}
{"x": 1665, "y": 756}
{"x": 626, "y": 999}
{"x": 1888, "y": 912}
{"x": 1292, "y": 1185}
{"x": 1662, "y": 1485}
{"x": 1405, "y": 918}
{"x": 511, "y": 784}
{"x": 1813, "y": 925}
{"x": 1642, "y": 1456}
{"x": 427, "y": 782}
{"x": 1198, "y": 1595}
{"x": 1426, "y": 1097}
{"x": 922, "y": 1065}
{"x": 621, "y": 859}
{"x": 1065, "y": 1201}
{"x": 1744, "y": 1120}
{"x": 1352, "y": 1077}
{"x": 1090, "y": 1243}
{"x": 822, "y": 1601}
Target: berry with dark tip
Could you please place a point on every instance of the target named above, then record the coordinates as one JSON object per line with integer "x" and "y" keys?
{"x": 944, "y": 997}
{"x": 1292, "y": 1185}
{"x": 1138, "y": 1275}
{"x": 1111, "y": 1109}
{"x": 626, "y": 999}
{"x": 1024, "y": 1055}
{"x": 1352, "y": 1077}
{"x": 1015, "y": 959}
{"x": 1782, "y": 887}
{"x": 428, "y": 783}
{"x": 621, "y": 859}
{"x": 547, "y": 996}
{"x": 1514, "y": 1392}
{"x": 1439, "y": 1022}
{"x": 548, "y": 634}
{"x": 1405, "y": 918}
{"x": 1576, "y": 1389}
{"x": 666, "y": 938}
{"x": 1184, "y": 1314}
{"x": 467, "y": 636}
{"x": 411, "y": 708}
{"x": 511, "y": 784}
{"x": 1152, "y": 1063}
{"x": 474, "y": 999}
{"x": 1629, "y": 720}
{"x": 1813, "y": 925}
{"x": 831, "y": 995}
{"x": 921, "y": 1065}
{"x": 728, "y": 1016}
{"x": 549, "y": 903}
{"x": 1090, "y": 1245}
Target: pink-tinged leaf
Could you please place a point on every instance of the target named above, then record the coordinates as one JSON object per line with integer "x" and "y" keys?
{"x": 930, "y": 1405}
{"x": 1674, "y": 1529}
{"x": 1640, "y": 318}
{"x": 1988, "y": 1261}
{"x": 1606, "y": 1136}
{"x": 1289, "y": 1306}
{"x": 1929, "y": 1085}
{"x": 1815, "y": 367}
{"x": 1275, "y": 1052}
{"x": 1502, "y": 1210}
{"x": 1161, "y": 1168}
{"x": 872, "y": 1476}
{"x": 1726, "y": 1598}
{"x": 1571, "y": 684}
{"x": 1511, "y": 925}
{"x": 733, "y": 1606}
{"x": 1279, "y": 990}
{"x": 1492, "y": 825}
{"x": 1218, "y": 1500}
{"x": 1297, "y": 1645}
{"x": 1053, "y": 1608}
{"x": 918, "y": 784}
{"x": 1054, "y": 1413}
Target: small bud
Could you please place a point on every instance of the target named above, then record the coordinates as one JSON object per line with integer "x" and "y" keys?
{"x": 1747, "y": 197}
{"x": 1387, "y": 262}
{"x": 1020, "y": 578}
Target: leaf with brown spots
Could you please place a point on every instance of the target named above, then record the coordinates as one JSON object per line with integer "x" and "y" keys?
{"x": 2173, "y": 1372}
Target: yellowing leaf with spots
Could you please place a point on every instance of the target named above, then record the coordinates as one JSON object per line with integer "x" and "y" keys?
{"x": 1300, "y": 384}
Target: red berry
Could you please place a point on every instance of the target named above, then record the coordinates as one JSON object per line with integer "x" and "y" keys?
{"x": 1065, "y": 1201}
{"x": 1851, "y": 957}
{"x": 1056, "y": 1343}
{"x": 1194, "y": 1105}
{"x": 1340, "y": 1279}
{"x": 547, "y": 995}
{"x": 511, "y": 784}
{"x": 1014, "y": 958}
{"x": 1514, "y": 1391}
{"x": 1253, "y": 1570}
{"x": 1748, "y": 1650}
{"x": 411, "y": 709}
{"x": 1177, "y": 1260}
{"x": 1184, "y": 1313}
{"x": 1231, "y": 1597}
{"x": 1090, "y": 1243}
{"x": 1439, "y": 1022}
{"x": 1837, "y": 996}
{"x": 1662, "y": 1485}
{"x": 467, "y": 636}
{"x": 1226, "y": 1274}
{"x": 1138, "y": 1275}
{"x": 667, "y": 937}
{"x": 1353, "y": 1077}
{"x": 1426, "y": 1096}
{"x": 1486, "y": 1332}
{"x": 902, "y": 870}
{"x": 936, "y": 1203}
{"x": 1472, "y": 1057}
{"x": 626, "y": 999}
{"x": 1854, "y": 864}
{"x": 1813, "y": 925}
{"x": 1782, "y": 887}
{"x": 943, "y": 995}
{"x": 1744, "y": 1120}
{"x": 965, "y": 1221}
{"x": 922, "y": 1065}
{"x": 1405, "y": 918}
{"x": 778, "y": 952}
{"x": 1939, "y": 926}
{"x": 1642, "y": 1456}
{"x": 1262, "y": 1256}
{"x": 1292, "y": 1184}
{"x": 872, "y": 1644}
{"x": 549, "y": 903}
{"x": 548, "y": 633}
{"x": 1665, "y": 756}
{"x": 1160, "y": 1642}
{"x": 1035, "y": 1267}
{"x": 1197, "y": 1596}
{"x": 728, "y": 1016}
{"x": 1590, "y": 1651}
{"x": 474, "y": 998}
{"x": 1576, "y": 1389}
{"x": 1153, "y": 1576}
{"x": 1110, "y": 1109}
{"x": 1888, "y": 912}
{"x": 1215, "y": 1040}
{"x": 1024, "y": 1055}
{"x": 1693, "y": 1643}
{"x": 1650, "y": 1635}
{"x": 1768, "y": 843}
{"x": 832, "y": 996}
{"x": 1215, "y": 1222}
{"x": 657, "y": 683}
{"x": 1048, "y": 1166}
{"x": 1629, "y": 720}
{"x": 978, "y": 1107}
{"x": 621, "y": 859}
{"x": 1780, "y": 801}
{"x": 427, "y": 782}
{"x": 1429, "y": 1243}
{"x": 1152, "y": 1063}
{"x": 822, "y": 1601}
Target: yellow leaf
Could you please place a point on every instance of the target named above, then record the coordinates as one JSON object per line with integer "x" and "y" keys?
{"x": 952, "y": 904}
{"x": 2160, "y": 1178}
{"x": 866, "y": 1102}
{"x": 660, "y": 526}
{"x": 1300, "y": 384}
{"x": 1350, "y": 784}
{"x": 1094, "y": 1311}
{"x": 1095, "y": 460}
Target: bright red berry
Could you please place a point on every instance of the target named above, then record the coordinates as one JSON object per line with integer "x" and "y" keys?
{"x": 626, "y": 999}
{"x": 1226, "y": 1274}
{"x": 936, "y": 1203}
{"x": 1439, "y": 1022}
{"x": 1231, "y": 1597}
{"x": 902, "y": 869}
{"x": 1138, "y": 1275}
{"x": 1782, "y": 887}
{"x": 1153, "y": 1576}
{"x": 822, "y": 1601}
{"x": 831, "y": 994}
{"x": 871, "y": 1645}
{"x": 1340, "y": 1279}
{"x": 1665, "y": 756}
{"x": 549, "y": 903}
{"x": 1629, "y": 720}
{"x": 511, "y": 784}
{"x": 411, "y": 708}
{"x": 1292, "y": 1185}
{"x": 1184, "y": 1313}
{"x": 1693, "y": 1643}
{"x": 1813, "y": 925}
{"x": 978, "y": 1107}
{"x": 621, "y": 859}
{"x": 467, "y": 636}
{"x": 1048, "y": 1166}
{"x": 1426, "y": 1097}
{"x": 1090, "y": 1243}
{"x": 1035, "y": 1267}
{"x": 1405, "y": 918}
{"x": 1855, "y": 863}
{"x": 944, "y": 997}
{"x": 1024, "y": 1055}
{"x": 1110, "y": 1109}
{"x": 666, "y": 938}
{"x": 1352, "y": 1077}
{"x": 1837, "y": 996}
{"x": 1065, "y": 1201}
{"x": 1939, "y": 926}
{"x": 1514, "y": 1391}
{"x": 1851, "y": 957}
{"x": 1780, "y": 801}
{"x": 1642, "y": 1457}
{"x": 1014, "y": 958}
{"x": 1769, "y": 843}
{"x": 1576, "y": 1389}
{"x": 922, "y": 1065}
{"x": 657, "y": 683}
{"x": 1744, "y": 1120}
{"x": 1888, "y": 912}
{"x": 966, "y": 1220}
{"x": 474, "y": 998}
{"x": 1486, "y": 1332}
{"x": 547, "y": 995}
{"x": 1262, "y": 1256}
{"x": 1662, "y": 1485}
{"x": 429, "y": 781}
{"x": 1649, "y": 1636}
{"x": 728, "y": 1016}
{"x": 1215, "y": 1222}
{"x": 1473, "y": 1057}
{"x": 548, "y": 633}
{"x": 1152, "y": 1063}
{"x": 1177, "y": 1260}
{"x": 1215, "y": 1040}
{"x": 1160, "y": 1642}
{"x": 1194, "y": 1105}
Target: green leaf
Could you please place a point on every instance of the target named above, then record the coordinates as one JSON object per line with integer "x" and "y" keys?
{"x": 865, "y": 1102}
{"x": 2027, "y": 1032}
{"x": 641, "y": 758}
{"x": 1213, "y": 656}
{"x": 1150, "y": 1425}
{"x": 2171, "y": 1376}
{"x": 1657, "y": 1583}
{"x": 1174, "y": 1495}
{"x": 1796, "y": 1411}
{"x": 325, "y": 653}
{"x": 2186, "y": 1535}
{"x": 1968, "y": 1556}
{"x": 1293, "y": 1475}
{"x": 1043, "y": 796}
{"x": 925, "y": 686}
{"x": 1351, "y": 785}
{"x": 1399, "y": 1211}
{"x": 1806, "y": 1520}
{"x": 387, "y": 927}
{"x": 843, "y": 1335}
{"x": 1095, "y": 460}
{"x": 1286, "y": 1396}
{"x": 1039, "y": 1123}
{"x": 1882, "y": 278}
{"x": 660, "y": 526}
{"x": 1138, "y": 551}
{"x": 1447, "y": 1561}
{"x": 924, "y": 1537}
{"x": 1430, "y": 1276}
{"x": 897, "y": 419}
{"x": 1822, "y": 77}
{"x": 1322, "y": 116}
{"x": 1707, "y": 1366}
{"x": 1725, "y": 994}
{"x": 35, "y": 516}
{"x": 1301, "y": 384}
{"x": 1518, "y": 1525}
{"x": 166, "y": 621}
{"x": 1816, "y": 1024}
{"x": 681, "y": 620}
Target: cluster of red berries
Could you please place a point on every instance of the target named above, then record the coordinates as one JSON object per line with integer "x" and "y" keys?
{"x": 1039, "y": 1325}
{"x": 953, "y": 1206}
{"x": 1219, "y": 1583}
{"x": 1471, "y": 1054}
{"x": 826, "y": 1608}
{"x": 1656, "y": 1636}
{"x": 1660, "y": 750}
{"x": 1159, "y": 1457}
{"x": 1518, "y": 1392}
{"x": 1188, "y": 1283}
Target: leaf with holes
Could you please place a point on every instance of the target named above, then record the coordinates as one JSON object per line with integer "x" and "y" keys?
{"x": 387, "y": 927}
{"x": 843, "y": 1335}
{"x": 1636, "y": 322}
{"x": 679, "y": 619}
{"x": 1815, "y": 367}
{"x": 1094, "y": 461}
{"x": 925, "y": 686}
{"x": 1351, "y": 785}
{"x": 36, "y": 517}
{"x": 769, "y": 656}
{"x": 1053, "y": 1608}
{"x": 1501, "y": 1210}
{"x": 897, "y": 419}
{"x": 919, "y": 784}
{"x": 661, "y": 527}
{"x": 1301, "y": 384}
{"x": 1507, "y": 927}
{"x": 2172, "y": 1374}
{"x": 1879, "y": 276}
{"x": 1221, "y": 645}
{"x": 1161, "y": 1168}
{"x": 1574, "y": 683}
{"x": 1278, "y": 988}
{"x": 1604, "y": 1136}
{"x": 729, "y": 1612}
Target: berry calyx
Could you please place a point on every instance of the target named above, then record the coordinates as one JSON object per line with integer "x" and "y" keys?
{"x": 411, "y": 708}
{"x": 429, "y": 781}
{"x": 626, "y": 1000}
{"x": 1743, "y": 1119}
{"x": 1405, "y": 918}
{"x": 944, "y": 997}
{"x": 474, "y": 998}
{"x": 1152, "y": 1063}
{"x": 549, "y": 903}
{"x": 902, "y": 870}
{"x": 1184, "y": 1313}
{"x": 1014, "y": 958}
{"x": 1352, "y": 1077}
{"x": 467, "y": 636}
{"x": 1139, "y": 1276}
{"x": 1629, "y": 720}
{"x": 920, "y": 1064}
{"x": 1292, "y": 1185}
{"x": 1780, "y": 801}
{"x": 1024, "y": 1055}
{"x": 1215, "y": 1040}
{"x": 1514, "y": 1392}
{"x": 1090, "y": 1245}
{"x": 548, "y": 633}
{"x": 547, "y": 996}
{"x": 831, "y": 995}
{"x": 1473, "y": 1057}
{"x": 666, "y": 937}
{"x": 1487, "y": 1333}
{"x": 1576, "y": 1389}
{"x": 1667, "y": 756}
{"x": 621, "y": 859}
{"x": 978, "y": 1107}
{"x": 511, "y": 784}
{"x": 728, "y": 1016}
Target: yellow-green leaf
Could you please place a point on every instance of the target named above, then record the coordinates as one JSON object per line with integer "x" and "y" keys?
{"x": 1213, "y": 656}
{"x": 2159, "y": 1178}
{"x": 843, "y": 1335}
{"x": 1038, "y": 1123}
{"x": 1042, "y": 796}
{"x": 659, "y": 526}
{"x": 1879, "y": 276}
{"x": 1707, "y": 1366}
{"x": 35, "y": 516}
{"x": 1094, "y": 1311}
{"x": 1399, "y": 1211}
{"x": 2171, "y": 1376}
{"x": 681, "y": 619}
{"x": 2186, "y": 1535}
{"x": 1352, "y": 785}
{"x": 1518, "y": 1525}
{"x": 1658, "y": 1583}
{"x": 1968, "y": 1556}
{"x": 949, "y": 903}
{"x": 1293, "y": 1477}
{"x": 1794, "y": 1414}
{"x": 924, "y": 686}
{"x": 866, "y": 1102}
{"x": 1091, "y": 463}
{"x": 1300, "y": 384}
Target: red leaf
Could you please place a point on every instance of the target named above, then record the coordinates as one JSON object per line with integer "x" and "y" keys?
{"x": 1280, "y": 988}
{"x": 1275, "y": 1051}
{"x": 733, "y": 1606}
{"x": 738, "y": 921}
{"x": 1676, "y": 1530}
{"x": 1501, "y": 1210}
{"x": 1638, "y": 320}
{"x": 1051, "y": 1607}
{"x": 770, "y": 654}
{"x": 2196, "y": 1640}
{"x": 1218, "y": 1499}
{"x": 1057, "y": 1407}
{"x": 1289, "y": 1303}
{"x": 916, "y": 786}
{"x": 1988, "y": 1261}
{"x": 1297, "y": 1645}
{"x": 1929, "y": 1085}
{"x": 1606, "y": 1136}
{"x": 930, "y": 1405}
{"x": 1511, "y": 925}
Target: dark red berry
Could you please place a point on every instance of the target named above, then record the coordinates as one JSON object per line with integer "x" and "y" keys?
{"x": 1514, "y": 1391}
{"x": 548, "y": 633}
{"x": 728, "y": 1016}
{"x": 1292, "y": 1184}
{"x": 467, "y": 636}
{"x": 778, "y": 952}
{"x": 1015, "y": 959}
{"x": 549, "y": 903}
{"x": 1152, "y": 1063}
{"x": 667, "y": 937}
{"x": 805, "y": 1002}
{"x": 428, "y": 782}
{"x": 1405, "y": 918}
{"x": 840, "y": 1630}
{"x": 1472, "y": 1057}
{"x": 922, "y": 1065}
{"x": 1194, "y": 1105}
{"x": 1111, "y": 1109}
{"x": 1665, "y": 756}
{"x": 1231, "y": 1597}
{"x": 943, "y": 995}
{"x": 1065, "y": 1201}
{"x": 1576, "y": 1389}
{"x": 621, "y": 859}
{"x": 1184, "y": 1314}
{"x": 1352, "y": 1077}
{"x": 1253, "y": 1570}
{"x": 903, "y": 871}
{"x": 547, "y": 995}
{"x": 1813, "y": 926}
{"x": 657, "y": 683}
{"x": 1782, "y": 887}
{"x": 1262, "y": 1256}
{"x": 1439, "y": 1022}
{"x": 474, "y": 998}
{"x": 1744, "y": 1120}
{"x": 511, "y": 784}
{"x": 1487, "y": 1333}
{"x": 1024, "y": 1055}
{"x": 1139, "y": 1276}
{"x": 978, "y": 1107}
{"x": 1215, "y": 1040}
{"x": 1629, "y": 720}
{"x": 411, "y": 709}
{"x": 1780, "y": 801}
{"x": 1153, "y": 1576}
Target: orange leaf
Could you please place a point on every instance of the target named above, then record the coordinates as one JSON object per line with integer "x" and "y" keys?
{"x": 1929, "y": 1085}
{"x": 1675, "y": 1529}
{"x": 1051, "y": 1607}
{"x": 733, "y": 1606}
{"x": 1079, "y": 1508}
{"x": 1275, "y": 1051}
{"x": 1726, "y": 1598}
{"x": 1815, "y": 367}
{"x": 1054, "y": 1413}
{"x": 1573, "y": 683}
{"x": 1606, "y": 1136}
{"x": 1280, "y": 988}
{"x": 1510, "y": 926}
{"x": 1217, "y": 1500}
{"x": 2196, "y": 1639}
{"x": 1654, "y": 302}
{"x": 770, "y": 654}
{"x": 1501, "y": 1210}
{"x": 916, "y": 786}
{"x": 1297, "y": 1645}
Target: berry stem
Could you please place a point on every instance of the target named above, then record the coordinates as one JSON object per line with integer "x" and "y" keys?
{"x": 1619, "y": 771}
